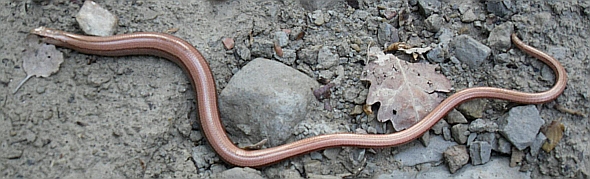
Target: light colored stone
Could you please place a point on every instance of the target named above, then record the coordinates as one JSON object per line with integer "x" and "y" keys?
{"x": 265, "y": 100}
{"x": 95, "y": 20}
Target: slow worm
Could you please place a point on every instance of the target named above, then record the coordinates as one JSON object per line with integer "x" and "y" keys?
{"x": 191, "y": 60}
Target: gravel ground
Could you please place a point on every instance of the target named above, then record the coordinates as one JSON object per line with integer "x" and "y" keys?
{"x": 133, "y": 117}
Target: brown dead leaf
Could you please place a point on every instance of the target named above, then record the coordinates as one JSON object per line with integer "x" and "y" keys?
{"x": 554, "y": 133}
{"x": 39, "y": 60}
{"x": 406, "y": 91}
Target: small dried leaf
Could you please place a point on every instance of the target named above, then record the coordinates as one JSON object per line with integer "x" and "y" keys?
{"x": 405, "y": 90}
{"x": 40, "y": 60}
{"x": 554, "y": 133}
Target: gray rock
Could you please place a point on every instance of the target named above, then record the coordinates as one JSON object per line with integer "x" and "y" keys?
{"x": 500, "y": 36}
{"x": 385, "y": 33}
{"x": 501, "y": 8}
{"x": 203, "y": 157}
{"x": 427, "y": 7}
{"x": 95, "y": 20}
{"x": 521, "y": 125}
{"x": 480, "y": 152}
{"x": 327, "y": 59}
{"x": 257, "y": 106}
{"x": 282, "y": 38}
{"x": 490, "y": 138}
{"x": 444, "y": 37}
{"x": 455, "y": 117}
{"x": 470, "y": 51}
{"x": 288, "y": 174}
{"x": 434, "y": 22}
{"x": 436, "y": 55}
{"x": 502, "y": 58}
{"x": 425, "y": 139}
{"x": 332, "y": 153}
{"x": 317, "y": 176}
{"x": 309, "y": 55}
{"x": 438, "y": 127}
{"x": 468, "y": 16}
{"x": 495, "y": 169}
{"x": 480, "y": 125}
{"x": 415, "y": 153}
{"x": 447, "y": 133}
{"x": 313, "y": 5}
{"x": 471, "y": 138}
{"x": 262, "y": 48}
{"x": 455, "y": 157}
{"x": 318, "y": 17}
{"x": 289, "y": 57}
{"x": 538, "y": 143}
{"x": 504, "y": 146}
{"x": 316, "y": 156}
{"x": 473, "y": 109}
{"x": 460, "y": 133}
{"x": 243, "y": 51}
{"x": 239, "y": 173}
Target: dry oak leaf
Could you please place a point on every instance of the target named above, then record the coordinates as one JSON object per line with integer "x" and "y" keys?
{"x": 40, "y": 60}
{"x": 406, "y": 91}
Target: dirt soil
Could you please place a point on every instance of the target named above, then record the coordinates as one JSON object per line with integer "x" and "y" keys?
{"x": 134, "y": 117}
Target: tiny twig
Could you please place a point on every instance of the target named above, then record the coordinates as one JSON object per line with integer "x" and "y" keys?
{"x": 21, "y": 83}
{"x": 570, "y": 111}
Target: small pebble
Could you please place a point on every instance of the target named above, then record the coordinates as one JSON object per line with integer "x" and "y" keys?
{"x": 228, "y": 43}
{"x": 95, "y": 20}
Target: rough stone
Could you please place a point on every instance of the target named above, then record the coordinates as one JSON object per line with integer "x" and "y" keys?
{"x": 504, "y": 146}
{"x": 480, "y": 125}
{"x": 447, "y": 133}
{"x": 309, "y": 55}
{"x": 521, "y": 125}
{"x": 455, "y": 117}
{"x": 501, "y": 8}
{"x": 436, "y": 55}
{"x": 473, "y": 109}
{"x": 500, "y": 36}
{"x": 495, "y": 169}
{"x": 427, "y": 7}
{"x": 470, "y": 51}
{"x": 468, "y": 16}
{"x": 282, "y": 38}
{"x": 318, "y": 17}
{"x": 438, "y": 127}
{"x": 202, "y": 157}
{"x": 288, "y": 174}
{"x": 480, "y": 152}
{"x": 95, "y": 20}
{"x": 327, "y": 59}
{"x": 415, "y": 153}
{"x": 445, "y": 36}
{"x": 490, "y": 138}
{"x": 385, "y": 33}
{"x": 460, "y": 133}
{"x": 471, "y": 138}
{"x": 455, "y": 157}
{"x": 239, "y": 173}
{"x": 316, "y": 156}
{"x": 434, "y": 22}
{"x": 261, "y": 106}
{"x": 313, "y": 5}
{"x": 243, "y": 51}
{"x": 332, "y": 153}
{"x": 289, "y": 57}
{"x": 262, "y": 48}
